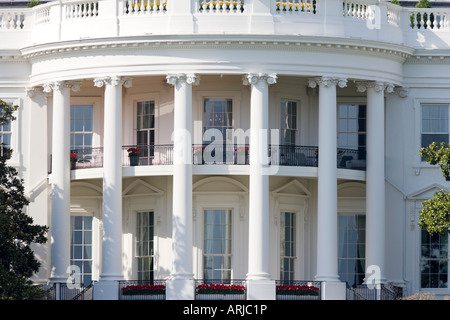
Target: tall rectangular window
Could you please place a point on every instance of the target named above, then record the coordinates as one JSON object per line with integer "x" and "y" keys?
{"x": 217, "y": 245}
{"x": 434, "y": 124}
{"x": 5, "y": 136}
{"x": 217, "y": 120}
{"x": 81, "y": 126}
{"x": 352, "y": 131}
{"x": 288, "y": 125}
{"x": 218, "y": 114}
{"x": 287, "y": 246}
{"x": 144, "y": 245}
{"x": 146, "y": 126}
{"x": 351, "y": 246}
{"x": 434, "y": 260}
{"x": 81, "y": 246}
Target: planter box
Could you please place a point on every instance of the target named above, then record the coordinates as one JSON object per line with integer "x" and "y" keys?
{"x": 143, "y": 297}
{"x": 214, "y": 296}
{"x": 296, "y": 297}
{"x": 134, "y": 160}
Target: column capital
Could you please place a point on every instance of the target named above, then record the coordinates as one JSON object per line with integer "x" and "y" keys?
{"x": 59, "y": 85}
{"x": 402, "y": 92}
{"x": 191, "y": 78}
{"x": 254, "y": 78}
{"x": 31, "y": 91}
{"x": 327, "y": 82}
{"x": 113, "y": 81}
{"x": 379, "y": 86}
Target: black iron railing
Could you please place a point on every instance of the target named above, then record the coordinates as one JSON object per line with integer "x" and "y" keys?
{"x": 380, "y": 292}
{"x": 220, "y": 154}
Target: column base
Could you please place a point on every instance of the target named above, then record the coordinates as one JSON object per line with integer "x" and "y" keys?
{"x": 106, "y": 290}
{"x": 180, "y": 289}
{"x": 333, "y": 290}
{"x": 261, "y": 289}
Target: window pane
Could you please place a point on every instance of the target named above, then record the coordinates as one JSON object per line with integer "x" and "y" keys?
{"x": 351, "y": 244}
{"x": 144, "y": 245}
{"x": 287, "y": 245}
{"x": 352, "y": 130}
{"x": 434, "y": 260}
{"x": 217, "y": 244}
{"x": 81, "y": 246}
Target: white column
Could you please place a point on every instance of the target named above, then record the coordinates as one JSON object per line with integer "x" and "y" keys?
{"x": 259, "y": 283}
{"x": 181, "y": 284}
{"x": 375, "y": 182}
{"x": 111, "y": 265}
{"x": 60, "y": 180}
{"x": 327, "y": 216}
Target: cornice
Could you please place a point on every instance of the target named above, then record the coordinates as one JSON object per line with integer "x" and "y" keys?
{"x": 429, "y": 58}
{"x": 274, "y": 42}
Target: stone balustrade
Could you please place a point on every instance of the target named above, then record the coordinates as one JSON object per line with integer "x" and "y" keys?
{"x": 369, "y": 20}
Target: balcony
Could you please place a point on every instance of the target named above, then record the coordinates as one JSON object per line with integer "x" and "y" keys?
{"x": 75, "y": 20}
{"x": 281, "y": 155}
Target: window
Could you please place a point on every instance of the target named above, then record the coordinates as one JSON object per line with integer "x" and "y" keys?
{"x": 144, "y": 245}
{"x": 218, "y": 114}
{"x": 351, "y": 132}
{"x": 81, "y": 127}
{"x": 434, "y": 124}
{"x": 5, "y": 132}
{"x": 434, "y": 260}
{"x": 351, "y": 246}
{"x": 145, "y": 120}
{"x": 5, "y": 136}
{"x": 287, "y": 245}
{"x": 81, "y": 246}
{"x": 217, "y": 245}
{"x": 288, "y": 125}
{"x": 217, "y": 119}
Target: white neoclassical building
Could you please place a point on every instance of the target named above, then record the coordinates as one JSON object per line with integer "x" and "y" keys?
{"x": 278, "y": 142}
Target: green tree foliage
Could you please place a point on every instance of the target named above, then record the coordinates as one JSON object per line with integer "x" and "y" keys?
{"x": 435, "y": 215}
{"x": 17, "y": 231}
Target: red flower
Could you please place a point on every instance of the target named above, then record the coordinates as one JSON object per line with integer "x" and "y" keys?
{"x": 73, "y": 156}
{"x": 220, "y": 288}
{"x": 134, "y": 150}
{"x": 144, "y": 289}
{"x": 297, "y": 290}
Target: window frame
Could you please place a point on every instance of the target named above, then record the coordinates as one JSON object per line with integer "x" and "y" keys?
{"x": 93, "y": 272}
{"x": 82, "y": 132}
{"x": 14, "y": 140}
{"x": 152, "y": 256}
{"x": 360, "y": 214}
{"x": 294, "y": 256}
{"x": 418, "y": 162}
{"x": 97, "y": 117}
{"x": 348, "y": 132}
{"x": 228, "y": 255}
{"x": 198, "y": 111}
{"x": 296, "y": 130}
{"x": 422, "y": 132}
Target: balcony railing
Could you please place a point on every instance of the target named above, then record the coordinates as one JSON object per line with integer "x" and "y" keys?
{"x": 282, "y": 155}
{"x": 67, "y": 20}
